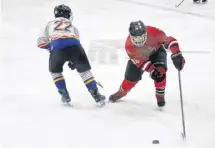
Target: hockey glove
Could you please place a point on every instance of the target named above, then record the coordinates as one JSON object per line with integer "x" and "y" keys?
{"x": 157, "y": 75}
{"x": 71, "y": 65}
{"x": 178, "y": 60}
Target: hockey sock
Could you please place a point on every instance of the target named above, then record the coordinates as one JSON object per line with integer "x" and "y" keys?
{"x": 88, "y": 79}
{"x": 127, "y": 85}
{"x": 59, "y": 81}
{"x": 160, "y": 87}
{"x": 160, "y": 91}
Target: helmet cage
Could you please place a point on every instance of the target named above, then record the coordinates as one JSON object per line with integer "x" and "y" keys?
{"x": 139, "y": 40}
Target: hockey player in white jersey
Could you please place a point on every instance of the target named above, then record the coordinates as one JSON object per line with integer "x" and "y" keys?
{"x": 61, "y": 39}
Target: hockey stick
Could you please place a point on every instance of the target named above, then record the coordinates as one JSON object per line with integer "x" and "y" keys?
{"x": 179, "y": 3}
{"x": 99, "y": 84}
{"x": 182, "y": 106}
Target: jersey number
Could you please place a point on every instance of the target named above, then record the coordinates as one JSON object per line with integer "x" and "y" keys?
{"x": 62, "y": 26}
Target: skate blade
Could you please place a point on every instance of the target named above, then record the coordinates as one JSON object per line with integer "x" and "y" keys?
{"x": 161, "y": 108}
{"x": 67, "y": 104}
{"x": 117, "y": 101}
{"x": 101, "y": 104}
{"x": 110, "y": 101}
{"x": 196, "y": 2}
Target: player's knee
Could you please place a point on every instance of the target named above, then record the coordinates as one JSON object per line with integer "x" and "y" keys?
{"x": 55, "y": 69}
{"x": 133, "y": 77}
{"x": 83, "y": 67}
{"x": 162, "y": 80}
{"x": 161, "y": 65}
{"x": 162, "y": 70}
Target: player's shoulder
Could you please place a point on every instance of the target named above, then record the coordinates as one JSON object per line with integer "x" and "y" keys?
{"x": 43, "y": 26}
{"x": 46, "y": 24}
{"x": 128, "y": 43}
{"x": 152, "y": 29}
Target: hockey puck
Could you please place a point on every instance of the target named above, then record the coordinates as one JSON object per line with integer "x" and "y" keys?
{"x": 155, "y": 142}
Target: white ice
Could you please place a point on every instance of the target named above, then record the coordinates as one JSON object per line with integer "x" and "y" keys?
{"x": 32, "y": 115}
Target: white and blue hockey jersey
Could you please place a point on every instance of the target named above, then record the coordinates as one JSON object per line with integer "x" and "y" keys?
{"x": 58, "y": 34}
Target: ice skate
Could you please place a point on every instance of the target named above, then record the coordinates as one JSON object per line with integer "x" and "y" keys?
{"x": 118, "y": 95}
{"x": 100, "y": 99}
{"x": 160, "y": 100}
{"x": 65, "y": 98}
{"x": 204, "y": 1}
{"x": 196, "y": 1}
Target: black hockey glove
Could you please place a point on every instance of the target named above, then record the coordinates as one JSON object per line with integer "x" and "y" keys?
{"x": 178, "y": 60}
{"x": 71, "y": 65}
{"x": 157, "y": 76}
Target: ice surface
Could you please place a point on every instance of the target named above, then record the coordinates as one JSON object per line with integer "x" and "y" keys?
{"x": 32, "y": 116}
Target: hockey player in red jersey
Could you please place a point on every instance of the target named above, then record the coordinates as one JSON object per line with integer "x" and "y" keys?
{"x": 146, "y": 47}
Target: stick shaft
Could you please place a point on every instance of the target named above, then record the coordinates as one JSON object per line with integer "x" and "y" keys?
{"x": 182, "y": 104}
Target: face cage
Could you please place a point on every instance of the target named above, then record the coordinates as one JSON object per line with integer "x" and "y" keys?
{"x": 71, "y": 17}
{"x": 139, "y": 40}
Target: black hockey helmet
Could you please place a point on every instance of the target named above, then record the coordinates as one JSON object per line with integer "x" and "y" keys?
{"x": 62, "y": 11}
{"x": 138, "y": 34}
